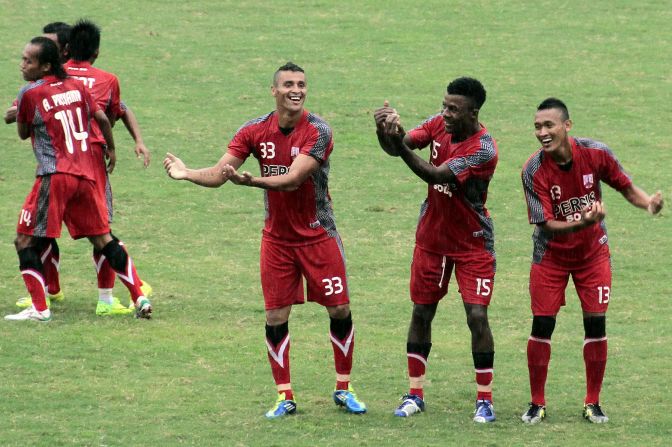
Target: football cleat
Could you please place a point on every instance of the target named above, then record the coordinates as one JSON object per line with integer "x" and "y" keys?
{"x": 534, "y": 414}
{"x": 484, "y": 412}
{"x": 31, "y": 313}
{"x": 26, "y": 301}
{"x": 594, "y": 413}
{"x": 410, "y": 405}
{"x": 348, "y": 400}
{"x": 143, "y": 308}
{"x": 282, "y": 407}
{"x": 116, "y": 308}
{"x": 147, "y": 292}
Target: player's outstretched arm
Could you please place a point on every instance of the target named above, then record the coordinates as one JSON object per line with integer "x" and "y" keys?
{"x": 639, "y": 198}
{"x": 106, "y": 128}
{"x": 302, "y": 167}
{"x": 133, "y": 128}
{"x": 211, "y": 177}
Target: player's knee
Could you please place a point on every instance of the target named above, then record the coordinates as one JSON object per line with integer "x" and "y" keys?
{"x": 477, "y": 318}
{"x": 115, "y": 255}
{"x": 339, "y": 312}
{"x": 424, "y": 313}
{"x": 543, "y": 326}
{"x": 29, "y": 259}
{"x": 595, "y": 327}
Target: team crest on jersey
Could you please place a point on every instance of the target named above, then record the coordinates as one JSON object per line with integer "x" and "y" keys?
{"x": 295, "y": 152}
{"x": 588, "y": 180}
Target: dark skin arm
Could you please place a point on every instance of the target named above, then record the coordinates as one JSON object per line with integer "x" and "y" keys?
{"x": 392, "y": 136}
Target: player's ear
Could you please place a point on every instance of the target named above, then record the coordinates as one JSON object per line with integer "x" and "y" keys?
{"x": 568, "y": 125}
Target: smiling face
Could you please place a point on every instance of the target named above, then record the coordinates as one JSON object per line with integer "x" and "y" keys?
{"x": 289, "y": 90}
{"x": 552, "y": 129}
{"x": 31, "y": 69}
{"x": 459, "y": 116}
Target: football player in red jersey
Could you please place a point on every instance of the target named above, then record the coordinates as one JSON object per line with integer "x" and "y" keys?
{"x": 55, "y": 112}
{"x": 299, "y": 239}
{"x": 454, "y": 231}
{"x": 562, "y": 188}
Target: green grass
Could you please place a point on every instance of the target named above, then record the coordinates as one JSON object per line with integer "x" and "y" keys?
{"x": 197, "y": 374}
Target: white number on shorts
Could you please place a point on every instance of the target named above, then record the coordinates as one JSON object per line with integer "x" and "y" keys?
{"x": 25, "y": 217}
{"x": 70, "y": 131}
{"x": 483, "y": 286}
{"x": 603, "y": 292}
{"x": 333, "y": 285}
{"x": 267, "y": 150}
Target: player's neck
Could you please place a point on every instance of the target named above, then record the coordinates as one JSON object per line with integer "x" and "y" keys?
{"x": 468, "y": 133}
{"x": 563, "y": 155}
{"x": 288, "y": 119}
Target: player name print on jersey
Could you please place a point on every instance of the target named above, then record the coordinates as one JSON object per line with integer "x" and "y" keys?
{"x": 571, "y": 207}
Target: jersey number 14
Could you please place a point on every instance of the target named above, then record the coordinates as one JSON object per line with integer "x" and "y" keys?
{"x": 70, "y": 130}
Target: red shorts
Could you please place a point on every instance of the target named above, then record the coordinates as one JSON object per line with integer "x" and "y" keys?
{"x": 102, "y": 178}
{"x": 548, "y": 283}
{"x": 322, "y": 265}
{"x": 430, "y": 274}
{"x": 58, "y": 198}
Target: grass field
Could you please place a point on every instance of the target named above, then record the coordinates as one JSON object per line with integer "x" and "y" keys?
{"x": 196, "y": 374}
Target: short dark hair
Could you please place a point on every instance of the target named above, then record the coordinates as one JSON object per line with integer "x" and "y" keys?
{"x": 62, "y": 31}
{"x": 84, "y": 40}
{"x": 469, "y": 87}
{"x": 289, "y": 66}
{"x": 554, "y": 103}
{"x": 49, "y": 55}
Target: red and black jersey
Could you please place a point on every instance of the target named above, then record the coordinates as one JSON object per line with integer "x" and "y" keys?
{"x": 292, "y": 217}
{"x": 60, "y": 113}
{"x": 559, "y": 193}
{"x": 453, "y": 217}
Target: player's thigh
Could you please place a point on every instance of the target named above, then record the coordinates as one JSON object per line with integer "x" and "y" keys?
{"x": 280, "y": 276}
{"x": 547, "y": 289}
{"x": 593, "y": 285}
{"x": 43, "y": 209}
{"x": 323, "y": 266}
{"x": 85, "y": 212}
{"x": 430, "y": 274}
{"x": 475, "y": 275}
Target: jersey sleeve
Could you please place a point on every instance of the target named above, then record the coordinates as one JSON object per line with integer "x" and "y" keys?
{"x": 613, "y": 173}
{"x": 480, "y": 162}
{"x": 241, "y": 145}
{"x": 319, "y": 143}
{"x": 422, "y": 135}
{"x": 115, "y": 109}
{"x": 25, "y": 105}
{"x": 539, "y": 206}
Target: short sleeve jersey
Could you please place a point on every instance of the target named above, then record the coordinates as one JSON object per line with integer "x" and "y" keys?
{"x": 104, "y": 88}
{"x": 553, "y": 193}
{"x": 297, "y": 217}
{"x": 453, "y": 218}
{"x": 60, "y": 112}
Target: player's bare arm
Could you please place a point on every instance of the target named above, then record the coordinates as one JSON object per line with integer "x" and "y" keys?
{"x": 590, "y": 215}
{"x": 639, "y": 198}
{"x": 394, "y": 133}
{"x": 302, "y": 168}
{"x": 10, "y": 115}
{"x": 211, "y": 177}
{"x": 23, "y": 129}
{"x": 133, "y": 128}
{"x": 106, "y": 128}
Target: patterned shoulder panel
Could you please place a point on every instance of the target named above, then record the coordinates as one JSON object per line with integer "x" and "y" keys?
{"x": 592, "y": 144}
{"x": 530, "y": 168}
{"x": 258, "y": 120}
{"x": 483, "y": 155}
{"x": 27, "y": 87}
{"x": 324, "y": 135}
